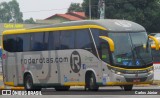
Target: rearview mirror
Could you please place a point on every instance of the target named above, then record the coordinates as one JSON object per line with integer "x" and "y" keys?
{"x": 110, "y": 41}
{"x": 156, "y": 45}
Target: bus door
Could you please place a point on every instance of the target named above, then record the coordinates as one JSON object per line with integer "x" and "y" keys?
{"x": 106, "y": 48}
{"x": 105, "y": 55}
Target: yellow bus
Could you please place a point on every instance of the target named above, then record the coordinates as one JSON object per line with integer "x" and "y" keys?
{"x": 90, "y": 53}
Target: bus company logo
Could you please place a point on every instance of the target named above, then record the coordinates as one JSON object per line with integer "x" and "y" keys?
{"x": 123, "y": 24}
{"x": 75, "y": 62}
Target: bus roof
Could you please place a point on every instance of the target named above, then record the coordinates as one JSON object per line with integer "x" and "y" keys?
{"x": 111, "y": 25}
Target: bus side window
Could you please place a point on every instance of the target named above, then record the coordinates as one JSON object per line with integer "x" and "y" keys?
{"x": 19, "y": 43}
{"x": 5, "y": 43}
{"x": 54, "y": 40}
{"x": 46, "y": 39}
{"x": 67, "y": 39}
{"x": 37, "y": 41}
{"x": 84, "y": 41}
{"x": 23, "y": 42}
{"x": 10, "y": 43}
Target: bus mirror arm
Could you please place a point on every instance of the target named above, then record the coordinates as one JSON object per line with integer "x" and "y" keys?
{"x": 156, "y": 42}
{"x": 110, "y": 41}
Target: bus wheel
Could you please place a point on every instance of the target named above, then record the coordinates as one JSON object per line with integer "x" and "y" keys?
{"x": 28, "y": 84}
{"x": 92, "y": 86}
{"x": 128, "y": 87}
{"x": 62, "y": 88}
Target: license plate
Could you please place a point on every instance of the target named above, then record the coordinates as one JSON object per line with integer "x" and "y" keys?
{"x": 136, "y": 80}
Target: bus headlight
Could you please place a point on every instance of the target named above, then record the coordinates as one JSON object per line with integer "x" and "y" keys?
{"x": 116, "y": 72}
{"x": 119, "y": 73}
{"x": 151, "y": 71}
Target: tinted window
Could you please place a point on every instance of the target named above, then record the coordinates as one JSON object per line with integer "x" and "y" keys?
{"x": 102, "y": 46}
{"x": 46, "y": 39}
{"x": 37, "y": 41}
{"x": 5, "y": 46}
{"x": 53, "y": 43}
{"x": 10, "y": 43}
{"x": 23, "y": 42}
{"x": 83, "y": 39}
{"x": 67, "y": 39}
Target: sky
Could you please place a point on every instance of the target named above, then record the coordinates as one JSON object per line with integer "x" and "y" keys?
{"x": 41, "y": 9}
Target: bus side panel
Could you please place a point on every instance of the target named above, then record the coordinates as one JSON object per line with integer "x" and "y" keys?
{"x": 51, "y": 68}
{"x": 19, "y": 69}
{"x": 5, "y": 67}
{"x": 60, "y": 66}
{"x": 74, "y": 65}
{"x": 42, "y": 66}
{"x": 24, "y": 60}
{"x": 106, "y": 74}
{"x": 91, "y": 63}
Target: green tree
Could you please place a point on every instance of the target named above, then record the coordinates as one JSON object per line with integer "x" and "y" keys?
{"x": 10, "y": 12}
{"x": 144, "y": 12}
{"x": 29, "y": 21}
{"x": 94, "y": 8}
{"x": 5, "y": 14}
{"x": 15, "y": 12}
{"x": 75, "y": 7}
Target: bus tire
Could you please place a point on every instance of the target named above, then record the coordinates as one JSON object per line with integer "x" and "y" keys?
{"x": 62, "y": 88}
{"x": 28, "y": 84}
{"x": 91, "y": 83}
{"x": 128, "y": 87}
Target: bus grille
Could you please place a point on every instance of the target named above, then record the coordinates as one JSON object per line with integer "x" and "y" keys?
{"x": 136, "y": 79}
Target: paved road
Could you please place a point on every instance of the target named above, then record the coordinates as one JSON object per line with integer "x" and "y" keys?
{"x": 155, "y": 90}
{"x": 150, "y": 90}
{"x": 105, "y": 92}
{"x": 85, "y": 96}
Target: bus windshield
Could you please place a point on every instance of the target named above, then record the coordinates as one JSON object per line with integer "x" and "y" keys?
{"x": 131, "y": 49}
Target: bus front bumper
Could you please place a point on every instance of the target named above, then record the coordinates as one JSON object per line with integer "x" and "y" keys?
{"x": 131, "y": 79}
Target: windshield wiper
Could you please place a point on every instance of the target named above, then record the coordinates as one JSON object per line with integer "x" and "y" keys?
{"x": 138, "y": 55}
